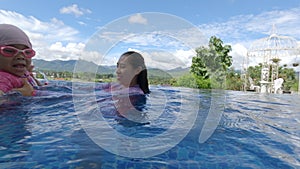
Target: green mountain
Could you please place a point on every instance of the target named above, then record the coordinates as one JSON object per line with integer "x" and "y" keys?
{"x": 68, "y": 66}
{"x": 153, "y": 72}
{"x": 177, "y": 72}
{"x": 86, "y": 66}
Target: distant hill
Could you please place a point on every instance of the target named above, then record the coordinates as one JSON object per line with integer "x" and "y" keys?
{"x": 68, "y": 66}
{"x": 178, "y": 71}
{"x": 152, "y": 72}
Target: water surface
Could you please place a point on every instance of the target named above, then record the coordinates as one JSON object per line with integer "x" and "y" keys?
{"x": 254, "y": 131}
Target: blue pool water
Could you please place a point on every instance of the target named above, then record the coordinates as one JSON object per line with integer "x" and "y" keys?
{"x": 72, "y": 130}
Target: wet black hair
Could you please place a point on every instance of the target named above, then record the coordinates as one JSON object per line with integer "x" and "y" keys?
{"x": 136, "y": 59}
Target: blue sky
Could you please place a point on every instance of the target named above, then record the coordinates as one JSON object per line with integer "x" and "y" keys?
{"x": 63, "y": 29}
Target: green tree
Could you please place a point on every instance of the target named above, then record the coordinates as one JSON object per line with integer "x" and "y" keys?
{"x": 289, "y": 77}
{"x": 233, "y": 80}
{"x": 187, "y": 80}
{"x": 211, "y": 63}
{"x": 254, "y": 73}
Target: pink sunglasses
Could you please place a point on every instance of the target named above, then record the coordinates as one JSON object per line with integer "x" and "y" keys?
{"x": 9, "y": 51}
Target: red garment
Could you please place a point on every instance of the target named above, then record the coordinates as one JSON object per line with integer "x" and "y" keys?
{"x": 9, "y": 81}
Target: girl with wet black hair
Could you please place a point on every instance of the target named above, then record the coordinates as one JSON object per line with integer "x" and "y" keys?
{"x": 131, "y": 71}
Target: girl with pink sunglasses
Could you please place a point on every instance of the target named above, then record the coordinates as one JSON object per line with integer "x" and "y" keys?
{"x": 15, "y": 57}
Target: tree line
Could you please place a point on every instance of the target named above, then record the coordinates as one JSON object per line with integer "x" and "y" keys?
{"x": 211, "y": 68}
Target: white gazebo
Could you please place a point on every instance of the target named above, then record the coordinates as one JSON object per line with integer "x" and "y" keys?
{"x": 273, "y": 50}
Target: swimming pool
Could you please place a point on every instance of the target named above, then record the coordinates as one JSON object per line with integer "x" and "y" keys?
{"x": 254, "y": 131}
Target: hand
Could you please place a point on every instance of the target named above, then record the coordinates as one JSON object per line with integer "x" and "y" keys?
{"x": 126, "y": 109}
{"x": 123, "y": 104}
{"x": 26, "y": 90}
{"x": 1, "y": 93}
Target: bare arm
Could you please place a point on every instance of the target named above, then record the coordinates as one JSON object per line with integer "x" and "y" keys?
{"x": 37, "y": 82}
{"x": 26, "y": 90}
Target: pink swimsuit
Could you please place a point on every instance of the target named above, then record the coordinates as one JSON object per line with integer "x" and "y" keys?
{"x": 9, "y": 81}
{"x": 119, "y": 89}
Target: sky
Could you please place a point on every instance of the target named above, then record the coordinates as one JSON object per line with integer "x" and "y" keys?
{"x": 166, "y": 32}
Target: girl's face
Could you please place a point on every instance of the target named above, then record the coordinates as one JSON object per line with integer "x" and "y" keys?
{"x": 15, "y": 65}
{"x": 126, "y": 73}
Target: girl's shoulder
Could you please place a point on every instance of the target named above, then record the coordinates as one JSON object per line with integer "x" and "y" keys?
{"x": 6, "y": 74}
{"x": 9, "y": 81}
{"x": 118, "y": 88}
{"x": 9, "y": 76}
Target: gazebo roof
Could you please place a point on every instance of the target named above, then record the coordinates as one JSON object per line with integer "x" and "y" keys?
{"x": 274, "y": 46}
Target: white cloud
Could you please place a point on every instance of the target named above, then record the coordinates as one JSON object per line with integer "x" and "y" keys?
{"x": 185, "y": 56}
{"x": 243, "y": 30}
{"x": 36, "y": 29}
{"x": 82, "y": 23}
{"x": 58, "y": 51}
{"x": 164, "y": 59}
{"x": 94, "y": 56}
{"x": 137, "y": 18}
{"x": 73, "y": 9}
{"x": 287, "y": 22}
{"x": 250, "y": 27}
{"x": 162, "y": 41}
{"x": 161, "y": 59}
{"x": 142, "y": 39}
{"x": 154, "y": 58}
{"x": 44, "y": 34}
{"x": 239, "y": 56}
{"x": 55, "y": 40}
{"x": 161, "y": 49}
